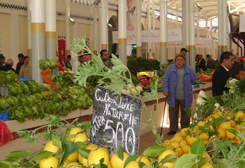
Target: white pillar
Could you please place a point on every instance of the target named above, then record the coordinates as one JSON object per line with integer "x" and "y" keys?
{"x": 149, "y": 26}
{"x": 38, "y": 37}
{"x": 210, "y": 35}
{"x": 68, "y": 30}
{"x": 29, "y": 29}
{"x": 177, "y": 17}
{"x": 104, "y": 24}
{"x": 163, "y": 31}
{"x": 206, "y": 26}
{"x": 50, "y": 29}
{"x": 183, "y": 24}
{"x": 225, "y": 25}
{"x": 153, "y": 28}
{"x": 220, "y": 27}
{"x": 192, "y": 34}
{"x": 122, "y": 31}
{"x": 14, "y": 36}
{"x": 187, "y": 13}
{"x": 138, "y": 27}
{"x": 95, "y": 27}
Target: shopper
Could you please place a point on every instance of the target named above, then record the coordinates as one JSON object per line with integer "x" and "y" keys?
{"x": 210, "y": 62}
{"x": 25, "y": 70}
{"x": 177, "y": 87}
{"x": 67, "y": 62}
{"x": 240, "y": 74}
{"x": 222, "y": 73}
{"x": 183, "y": 51}
{"x": 8, "y": 66}
{"x": 201, "y": 64}
{"x": 236, "y": 66}
{"x": 20, "y": 63}
{"x": 105, "y": 58}
{"x": 2, "y": 58}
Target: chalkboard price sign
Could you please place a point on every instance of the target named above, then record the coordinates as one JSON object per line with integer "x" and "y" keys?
{"x": 116, "y": 120}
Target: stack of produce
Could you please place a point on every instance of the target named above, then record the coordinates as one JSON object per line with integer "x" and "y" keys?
{"x": 32, "y": 100}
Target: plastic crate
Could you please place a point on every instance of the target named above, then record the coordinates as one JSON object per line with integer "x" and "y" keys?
{"x": 22, "y": 79}
{"x": 4, "y": 116}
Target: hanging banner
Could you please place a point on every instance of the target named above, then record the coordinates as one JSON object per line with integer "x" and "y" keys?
{"x": 149, "y": 36}
{"x": 242, "y": 23}
{"x": 62, "y": 48}
{"x": 203, "y": 42}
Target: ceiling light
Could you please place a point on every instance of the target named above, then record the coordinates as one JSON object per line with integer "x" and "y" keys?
{"x": 237, "y": 8}
{"x": 96, "y": 2}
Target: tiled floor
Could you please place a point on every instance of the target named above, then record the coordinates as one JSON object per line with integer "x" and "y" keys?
{"x": 148, "y": 139}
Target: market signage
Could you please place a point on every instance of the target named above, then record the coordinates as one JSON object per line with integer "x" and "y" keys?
{"x": 242, "y": 23}
{"x": 116, "y": 121}
{"x": 174, "y": 38}
{"x": 149, "y": 36}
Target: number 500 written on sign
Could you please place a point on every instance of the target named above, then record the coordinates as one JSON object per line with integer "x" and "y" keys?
{"x": 128, "y": 135}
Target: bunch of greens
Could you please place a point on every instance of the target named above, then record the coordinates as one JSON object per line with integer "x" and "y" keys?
{"x": 8, "y": 77}
{"x": 47, "y": 63}
{"x": 33, "y": 86}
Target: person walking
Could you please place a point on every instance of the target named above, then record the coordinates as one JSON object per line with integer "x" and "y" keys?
{"x": 177, "y": 87}
{"x": 222, "y": 73}
{"x": 25, "y": 70}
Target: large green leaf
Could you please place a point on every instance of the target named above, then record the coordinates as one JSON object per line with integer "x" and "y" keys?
{"x": 42, "y": 155}
{"x": 57, "y": 143}
{"x": 202, "y": 161}
{"x": 20, "y": 154}
{"x": 84, "y": 152}
{"x": 154, "y": 150}
{"x": 129, "y": 159}
{"x": 185, "y": 159}
{"x": 198, "y": 147}
{"x": 120, "y": 153}
{"x": 169, "y": 158}
{"x": 71, "y": 148}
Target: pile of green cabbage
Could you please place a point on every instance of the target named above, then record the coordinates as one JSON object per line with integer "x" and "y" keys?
{"x": 48, "y": 62}
{"x": 26, "y": 102}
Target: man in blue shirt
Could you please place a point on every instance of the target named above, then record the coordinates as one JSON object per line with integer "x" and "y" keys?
{"x": 177, "y": 87}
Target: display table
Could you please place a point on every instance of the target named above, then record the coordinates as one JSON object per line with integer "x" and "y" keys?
{"x": 86, "y": 115}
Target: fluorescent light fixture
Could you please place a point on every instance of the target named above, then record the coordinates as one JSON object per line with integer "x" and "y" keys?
{"x": 96, "y": 2}
{"x": 72, "y": 20}
{"x": 237, "y": 8}
{"x": 132, "y": 10}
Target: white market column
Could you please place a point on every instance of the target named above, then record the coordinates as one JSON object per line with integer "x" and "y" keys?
{"x": 14, "y": 36}
{"x": 198, "y": 29}
{"x": 183, "y": 25}
{"x": 220, "y": 27}
{"x": 163, "y": 32}
{"x": 225, "y": 25}
{"x": 192, "y": 34}
{"x": 104, "y": 24}
{"x": 138, "y": 29}
{"x": 153, "y": 28}
{"x": 68, "y": 30}
{"x": 50, "y": 28}
{"x": 29, "y": 29}
{"x": 210, "y": 35}
{"x": 149, "y": 26}
{"x": 122, "y": 31}
{"x": 37, "y": 37}
{"x": 95, "y": 27}
{"x": 187, "y": 28}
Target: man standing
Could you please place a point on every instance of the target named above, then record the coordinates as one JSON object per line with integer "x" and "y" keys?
{"x": 2, "y": 63}
{"x": 78, "y": 63}
{"x": 67, "y": 62}
{"x": 201, "y": 64}
{"x": 20, "y": 63}
{"x": 222, "y": 74}
{"x": 25, "y": 70}
{"x": 177, "y": 87}
{"x": 183, "y": 51}
{"x": 210, "y": 62}
{"x": 105, "y": 58}
{"x": 8, "y": 66}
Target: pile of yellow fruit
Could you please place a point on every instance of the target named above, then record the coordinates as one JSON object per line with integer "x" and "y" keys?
{"x": 181, "y": 143}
